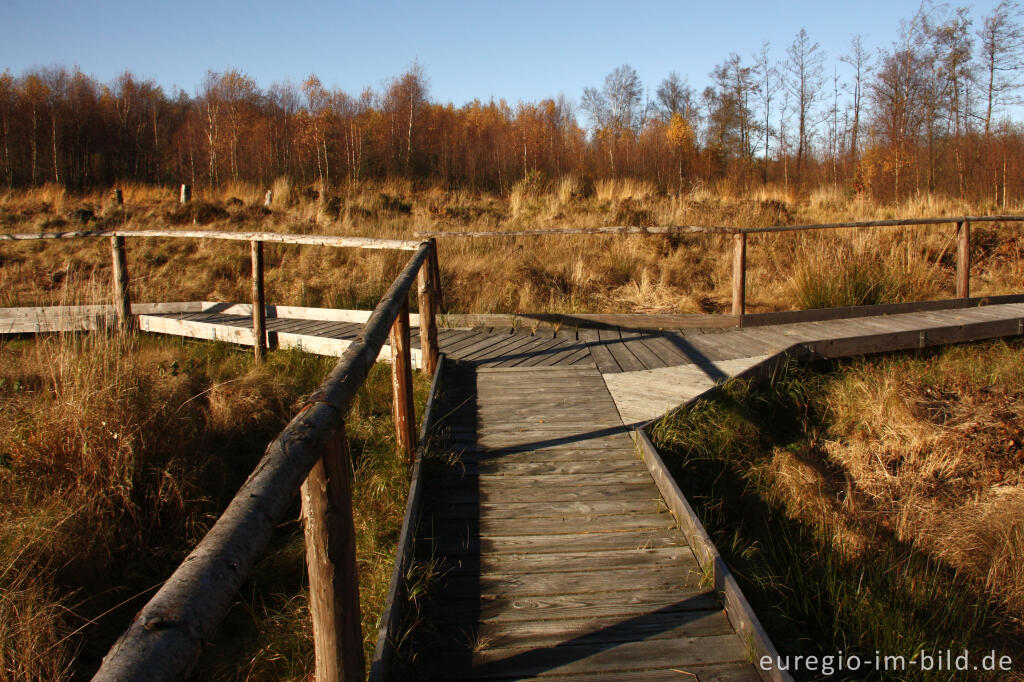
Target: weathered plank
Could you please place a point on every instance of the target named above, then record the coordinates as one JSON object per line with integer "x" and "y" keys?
{"x": 589, "y": 658}
{"x": 545, "y": 633}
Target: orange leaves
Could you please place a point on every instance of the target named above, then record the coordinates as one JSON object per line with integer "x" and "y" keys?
{"x": 680, "y": 133}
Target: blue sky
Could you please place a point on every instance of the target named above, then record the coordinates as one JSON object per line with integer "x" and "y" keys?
{"x": 518, "y": 50}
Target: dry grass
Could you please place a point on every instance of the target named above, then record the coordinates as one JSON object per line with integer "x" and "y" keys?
{"x": 935, "y": 448}
{"x": 879, "y": 505}
{"x": 116, "y": 455}
{"x": 582, "y": 274}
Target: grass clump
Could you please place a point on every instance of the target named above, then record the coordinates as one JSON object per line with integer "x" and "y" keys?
{"x": 852, "y": 272}
{"x": 871, "y": 507}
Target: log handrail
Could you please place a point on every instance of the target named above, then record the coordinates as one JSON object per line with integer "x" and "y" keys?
{"x": 739, "y": 255}
{"x": 277, "y": 237}
{"x": 165, "y": 637}
{"x": 721, "y": 229}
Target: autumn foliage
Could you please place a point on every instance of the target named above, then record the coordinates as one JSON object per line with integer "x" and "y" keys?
{"x": 927, "y": 115}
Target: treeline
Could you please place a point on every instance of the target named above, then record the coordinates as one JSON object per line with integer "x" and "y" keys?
{"x": 926, "y": 114}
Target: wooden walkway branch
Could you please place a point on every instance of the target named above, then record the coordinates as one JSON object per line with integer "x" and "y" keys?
{"x": 165, "y": 638}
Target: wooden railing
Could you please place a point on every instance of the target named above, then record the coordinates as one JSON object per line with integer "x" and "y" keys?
{"x": 309, "y": 456}
{"x": 122, "y": 296}
{"x": 739, "y": 256}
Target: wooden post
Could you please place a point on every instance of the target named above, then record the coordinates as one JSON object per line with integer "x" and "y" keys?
{"x": 259, "y": 311}
{"x": 186, "y": 193}
{"x": 118, "y": 197}
{"x": 122, "y": 298}
{"x": 268, "y": 199}
{"x": 739, "y": 275}
{"x": 963, "y": 259}
{"x": 401, "y": 381}
{"x": 436, "y": 274}
{"x": 428, "y": 299}
{"x": 331, "y": 563}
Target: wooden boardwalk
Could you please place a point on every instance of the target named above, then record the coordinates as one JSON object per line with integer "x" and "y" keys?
{"x": 554, "y": 552}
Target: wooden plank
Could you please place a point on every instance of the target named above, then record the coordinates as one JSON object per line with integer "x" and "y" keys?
{"x": 482, "y": 341}
{"x": 547, "y": 633}
{"x": 452, "y": 348}
{"x": 664, "y": 348}
{"x": 880, "y": 343}
{"x": 550, "y": 454}
{"x": 703, "y": 349}
{"x": 603, "y": 358}
{"x": 558, "y": 562}
{"x": 562, "y": 357}
{"x": 624, "y": 358}
{"x": 444, "y": 509}
{"x": 541, "y": 353}
{"x": 507, "y": 344}
{"x": 725, "y": 672}
{"x": 681, "y": 577}
{"x": 198, "y": 330}
{"x": 447, "y": 339}
{"x": 741, "y": 345}
{"x": 548, "y": 481}
{"x": 589, "y": 658}
{"x": 491, "y": 527}
{"x": 568, "y": 607}
{"x": 33, "y": 312}
{"x": 68, "y": 324}
{"x": 634, "y": 342}
{"x": 600, "y": 493}
{"x": 818, "y": 314}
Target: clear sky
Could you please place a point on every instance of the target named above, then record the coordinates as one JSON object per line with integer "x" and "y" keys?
{"x": 516, "y": 50}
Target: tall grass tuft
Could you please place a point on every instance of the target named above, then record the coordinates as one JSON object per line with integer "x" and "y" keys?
{"x": 851, "y": 272}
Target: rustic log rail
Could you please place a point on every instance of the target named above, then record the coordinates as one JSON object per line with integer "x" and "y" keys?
{"x": 739, "y": 269}
{"x": 165, "y": 637}
{"x": 310, "y": 453}
{"x": 122, "y": 296}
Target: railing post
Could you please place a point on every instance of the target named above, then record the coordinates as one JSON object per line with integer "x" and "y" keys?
{"x": 331, "y": 562}
{"x": 435, "y": 271}
{"x": 122, "y": 297}
{"x": 401, "y": 381}
{"x": 963, "y": 259}
{"x": 259, "y": 310}
{"x": 428, "y": 299}
{"x": 739, "y": 275}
